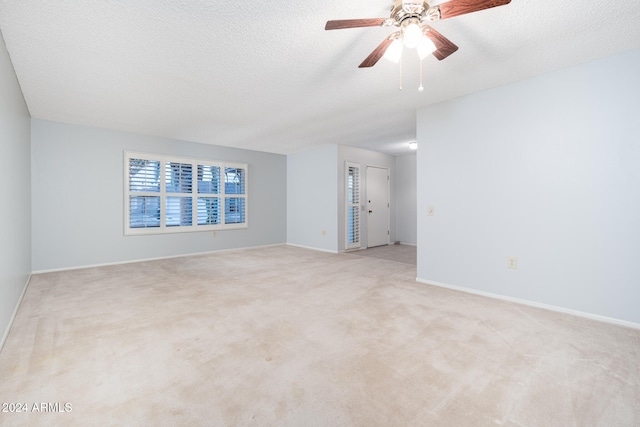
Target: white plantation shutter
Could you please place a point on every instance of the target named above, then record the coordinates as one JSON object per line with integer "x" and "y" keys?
{"x": 352, "y": 191}
{"x": 179, "y": 199}
{"x": 179, "y": 177}
{"x": 209, "y": 195}
{"x": 235, "y": 190}
{"x": 143, "y": 204}
{"x": 144, "y": 175}
{"x": 167, "y": 195}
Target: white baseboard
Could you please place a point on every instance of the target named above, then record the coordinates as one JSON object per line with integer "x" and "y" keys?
{"x": 312, "y": 248}
{"x": 106, "y": 264}
{"x": 15, "y": 312}
{"x": 533, "y": 304}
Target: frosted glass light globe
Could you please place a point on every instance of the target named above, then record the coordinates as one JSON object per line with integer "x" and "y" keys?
{"x": 412, "y": 35}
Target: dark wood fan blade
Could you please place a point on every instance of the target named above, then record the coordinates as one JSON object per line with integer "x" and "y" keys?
{"x": 377, "y": 53}
{"x": 354, "y": 23}
{"x": 444, "y": 46}
{"x": 460, "y": 7}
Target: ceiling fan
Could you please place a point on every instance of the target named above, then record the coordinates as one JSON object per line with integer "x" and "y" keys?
{"x": 410, "y": 16}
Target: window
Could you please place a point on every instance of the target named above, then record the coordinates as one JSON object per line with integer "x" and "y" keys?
{"x": 167, "y": 195}
{"x": 144, "y": 190}
{"x": 234, "y": 184}
{"x": 352, "y": 192}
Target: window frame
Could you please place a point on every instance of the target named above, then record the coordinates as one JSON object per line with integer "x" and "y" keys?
{"x": 194, "y": 194}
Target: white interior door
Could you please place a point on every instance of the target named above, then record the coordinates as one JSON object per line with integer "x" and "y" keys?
{"x": 377, "y": 206}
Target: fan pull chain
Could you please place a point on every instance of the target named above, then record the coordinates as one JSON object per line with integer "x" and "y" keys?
{"x": 421, "y": 88}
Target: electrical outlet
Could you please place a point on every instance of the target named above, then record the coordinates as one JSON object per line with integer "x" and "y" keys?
{"x": 324, "y": 232}
{"x": 512, "y": 262}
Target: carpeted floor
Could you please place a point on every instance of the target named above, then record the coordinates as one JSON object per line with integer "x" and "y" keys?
{"x": 400, "y": 253}
{"x": 284, "y": 336}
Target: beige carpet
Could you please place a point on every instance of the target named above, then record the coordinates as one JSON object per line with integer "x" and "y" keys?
{"x": 284, "y": 336}
{"x": 399, "y": 253}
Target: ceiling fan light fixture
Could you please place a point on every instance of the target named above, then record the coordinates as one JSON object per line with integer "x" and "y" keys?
{"x": 425, "y": 47}
{"x": 394, "y": 51}
{"x": 408, "y": 15}
{"x": 411, "y": 35}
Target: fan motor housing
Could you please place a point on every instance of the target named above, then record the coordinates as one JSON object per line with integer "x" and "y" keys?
{"x": 414, "y": 9}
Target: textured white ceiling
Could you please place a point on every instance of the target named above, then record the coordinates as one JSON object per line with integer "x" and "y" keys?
{"x": 265, "y": 75}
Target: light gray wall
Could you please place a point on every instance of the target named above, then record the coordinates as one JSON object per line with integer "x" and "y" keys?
{"x": 312, "y": 210}
{"x": 78, "y": 174}
{"x": 364, "y": 158}
{"x": 548, "y": 170}
{"x": 15, "y": 210}
{"x": 406, "y": 199}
